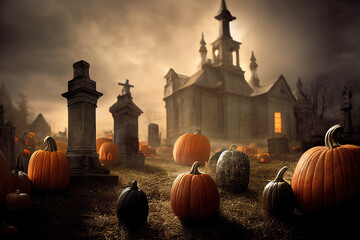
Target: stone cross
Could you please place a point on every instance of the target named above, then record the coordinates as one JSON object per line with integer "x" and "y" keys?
{"x": 125, "y": 114}
{"x": 126, "y": 88}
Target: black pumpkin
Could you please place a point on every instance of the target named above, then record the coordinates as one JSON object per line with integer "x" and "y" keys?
{"x": 132, "y": 207}
{"x": 278, "y": 197}
{"x": 233, "y": 170}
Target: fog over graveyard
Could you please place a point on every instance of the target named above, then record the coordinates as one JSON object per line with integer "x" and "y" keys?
{"x": 141, "y": 40}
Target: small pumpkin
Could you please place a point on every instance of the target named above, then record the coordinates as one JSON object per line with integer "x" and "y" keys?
{"x": 132, "y": 207}
{"x": 191, "y": 147}
{"x": 17, "y": 201}
{"x": 278, "y": 197}
{"x": 5, "y": 178}
{"x": 21, "y": 181}
{"x": 49, "y": 169}
{"x": 100, "y": 141}
{"x": 194, "y": 195}
{"x": 233, "y": 170}
{"x": 8, "y": 230}
{"x": 109, "y": 154}
{"x": 264, "y": 158}
{"x": 327, "y": 176}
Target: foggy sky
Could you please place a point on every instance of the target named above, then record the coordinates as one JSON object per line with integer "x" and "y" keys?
{"x": 140, "y": 40}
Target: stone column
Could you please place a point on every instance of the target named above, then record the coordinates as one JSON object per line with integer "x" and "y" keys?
{"x": 125, "y": 114}
{"x": 82, "y": 99}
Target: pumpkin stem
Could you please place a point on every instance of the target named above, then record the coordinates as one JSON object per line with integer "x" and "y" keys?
{"x": 17, "y": 192}
{"x": 195, "y": 168}
{"x": 232, "y": 147}
{"x": 134, "y": 185}
{"x": 198, "y": 131}
{"x": 50, "y": 144}
{"x": 332, "y": 135}
{"x": 279, "y": 176}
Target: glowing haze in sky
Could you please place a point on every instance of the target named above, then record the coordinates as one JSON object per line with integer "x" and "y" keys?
{"x": 140, "y": 40}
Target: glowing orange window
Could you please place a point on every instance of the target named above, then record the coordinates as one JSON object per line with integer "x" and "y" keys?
{"x": 277, "y": 120}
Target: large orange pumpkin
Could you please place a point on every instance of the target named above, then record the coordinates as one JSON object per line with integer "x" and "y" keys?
{"x": 100, "y": 141}
{"x": 194, "y": 195}
{"x": 49, "y": 169}
{"x": 5, "y": 179}
{"x": 109, "y": 154}
{"x": 327, "y": 176}
{"x": 192, "y": 147}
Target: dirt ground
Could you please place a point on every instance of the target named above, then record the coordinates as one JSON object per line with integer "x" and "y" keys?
{"x": 89, "y": 211}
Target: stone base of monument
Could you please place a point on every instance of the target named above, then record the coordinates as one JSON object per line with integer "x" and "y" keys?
{"x": 92, "y": 175}
{"x": 132, "y": 159}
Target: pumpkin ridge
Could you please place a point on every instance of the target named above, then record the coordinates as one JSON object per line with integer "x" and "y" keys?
{"x": 353, "y": 173}
{"x": 204, "y": 210}
{"x": 347, "y": 168}
{"x": 316, "y": 187}
{"x": 341, "y": 187}
{"x": 194, "y": 197}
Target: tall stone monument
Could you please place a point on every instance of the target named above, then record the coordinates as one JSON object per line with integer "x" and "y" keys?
{"x": 126, "y": 114}
{"x": 82, "y": 99}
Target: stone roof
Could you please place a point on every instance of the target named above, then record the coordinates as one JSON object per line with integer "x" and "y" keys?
{"x": 40, "y": 124}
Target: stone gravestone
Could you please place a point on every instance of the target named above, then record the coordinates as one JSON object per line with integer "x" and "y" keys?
{"x": 126, "y": 114}
{"x": 7, "y": 139}
{"x": 153, "y": 135}
{"x": 81, "y": 151}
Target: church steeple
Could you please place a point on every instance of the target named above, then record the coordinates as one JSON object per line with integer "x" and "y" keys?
{"x": 224, "y": 17}
{"x": 254, "y": 80}
{"x": 225, "y": 49}
{"x": 203, "y": 50}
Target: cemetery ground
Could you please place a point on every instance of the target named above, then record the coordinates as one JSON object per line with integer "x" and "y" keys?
{"x": 88, "y": 211}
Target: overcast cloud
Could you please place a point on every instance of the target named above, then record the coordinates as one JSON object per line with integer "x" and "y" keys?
{"x": 140, "y": 40}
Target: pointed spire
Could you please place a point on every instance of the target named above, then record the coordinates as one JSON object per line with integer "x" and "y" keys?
{"x": 254, "y": 81}
{"x": 224, "y": 13}
{"x": 203, "y": 50}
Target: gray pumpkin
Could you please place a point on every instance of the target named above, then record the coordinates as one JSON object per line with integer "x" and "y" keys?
{"x": 278, "y": 197}
{"x": 233, "y": 170}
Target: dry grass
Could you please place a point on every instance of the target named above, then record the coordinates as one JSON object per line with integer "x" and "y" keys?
{"x": 89, "y": 212}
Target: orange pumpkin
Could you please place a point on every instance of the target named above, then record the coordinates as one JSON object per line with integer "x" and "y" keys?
{"x": 147, "y": 150}
{"x": 109, "y": 154}
{"x": 192, "y": 147}
{"x": 100, "y": 141}
{"x": 194, "y": 195}
{"x": 21, "y": 181}
{"x": 249, "y": 150}
{"x": 17, "y": 201}
{"x": 49, "y": 169}
{"x": 327, "y": 176}
{"x": 5, "y": 179}
{"x": 264, "y": 158}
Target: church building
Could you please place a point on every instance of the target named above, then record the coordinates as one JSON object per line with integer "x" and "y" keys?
{"x": 221, "y": 102}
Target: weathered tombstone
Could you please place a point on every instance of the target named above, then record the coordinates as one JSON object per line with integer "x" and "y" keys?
{"x": 153, "y": 135}
{"x": 81, "y": 151}
{"x": 7, "y": 139}
{"x": 125, "y": 114}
